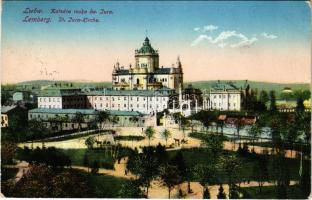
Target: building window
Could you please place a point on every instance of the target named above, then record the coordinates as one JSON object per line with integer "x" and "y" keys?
{"x": 125, "y": 105}
{"x": 118, "y": 105}
{"x": 138, "y": 98}
{"x": 118, "y": 98}
{"x": 101, "y": 105}
{"x": 125, "y": 98}
{"x": 137, "y": 105}
{"x": 112, "y": 105}
{"x": 113, "y": 98}
{"x": 95, "y": 98}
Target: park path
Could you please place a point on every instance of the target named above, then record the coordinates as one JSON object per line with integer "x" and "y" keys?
{"x": 23, "y": 168}
{"x": 158, "y": 191}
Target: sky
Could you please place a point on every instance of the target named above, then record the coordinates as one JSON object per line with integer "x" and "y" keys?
{"x": 254, "y": 40}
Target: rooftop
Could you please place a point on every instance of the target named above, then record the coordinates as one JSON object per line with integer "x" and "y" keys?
{"x": 146, "y": 48}
{"x": 84, "y": 111}
{"x": 6, "y": 109}
{"x": 224, "y": 86}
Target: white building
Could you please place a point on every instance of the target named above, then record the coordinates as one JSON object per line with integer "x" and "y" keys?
{"x": 143, "y": 101}
{"x": 146, "y": 74}
{"x": 223, "y": 96}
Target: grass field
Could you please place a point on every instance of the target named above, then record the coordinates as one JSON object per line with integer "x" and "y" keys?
{"x": 104, "y": 186}
{"x": 200, "y": 156}
{"x": 269, "y": 192}
{"x": 104, "y": 157}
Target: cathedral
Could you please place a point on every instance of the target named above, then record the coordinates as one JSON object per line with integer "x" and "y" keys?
{"x": 146, "y": 74}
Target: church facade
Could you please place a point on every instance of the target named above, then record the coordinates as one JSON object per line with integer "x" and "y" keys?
{"x": 146, "y": 74}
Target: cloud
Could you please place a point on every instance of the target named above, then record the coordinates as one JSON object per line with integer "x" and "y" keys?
{"x": 210, "y": 28}
{"x": 268, "y": 36}
{"x": 226, "y": 38}
{"x": 199, "y": 39}
{"x": 245, "y": 42}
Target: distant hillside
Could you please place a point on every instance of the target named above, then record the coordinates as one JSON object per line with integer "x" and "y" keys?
{"x": 39, "y": 83}
{"x": 267, "y": 86}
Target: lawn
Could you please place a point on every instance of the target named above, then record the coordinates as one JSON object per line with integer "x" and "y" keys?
{"x": 7, "y": 173}
{"x": 129, "y": 137}
{"x": 104, "y": 157}
{"x": 104, "y": 186}
{"x": 269, "y": 192}
{"x": 200, "y": 156}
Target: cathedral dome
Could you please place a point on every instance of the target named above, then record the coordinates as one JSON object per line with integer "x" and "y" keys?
{"x": 147, "y": 48}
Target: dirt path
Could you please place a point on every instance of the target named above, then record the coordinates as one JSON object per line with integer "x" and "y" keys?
{"x": 157, "y": 191}
{"x": 23, "y": 168}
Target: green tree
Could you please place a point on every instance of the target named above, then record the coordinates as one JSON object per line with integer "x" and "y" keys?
{"x": 260, "y": 171}
{"x": 233, "y": 192}
{"x": 231, "y": 166}
{"x": 8, "y": 151}
{"x": 131, "y": 189}
{"x": 102, "y": 117}
{"x": 90, "y": 142}
{"x": 86, "y": 161}
{"x": 149, "y": 132}
{"x": 272, "y": 96}
{"x": 206, "y": 194}
{"x": 221, "y": 194}
{"x": 169, "y": 176}
{"x": 166, "y": 134}
{"x": 95, "y": 167}
{"x": 79, "y": 119}
{"x": 254, "y": 131}
{"x": 41, "y": 181}
{"x": 205, "y": 174}
{"x": 264, "y": 97}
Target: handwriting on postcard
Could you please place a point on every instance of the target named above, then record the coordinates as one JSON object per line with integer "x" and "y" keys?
{"x": 80, "y": 15}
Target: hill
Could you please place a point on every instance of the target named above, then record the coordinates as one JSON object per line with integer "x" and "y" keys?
{"x": 267, "y": 86}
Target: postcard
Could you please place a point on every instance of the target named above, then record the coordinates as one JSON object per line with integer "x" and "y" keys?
{"x": 156, "y": 99}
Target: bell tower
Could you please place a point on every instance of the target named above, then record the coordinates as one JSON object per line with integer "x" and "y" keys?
{"x": 146, "y": 58}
